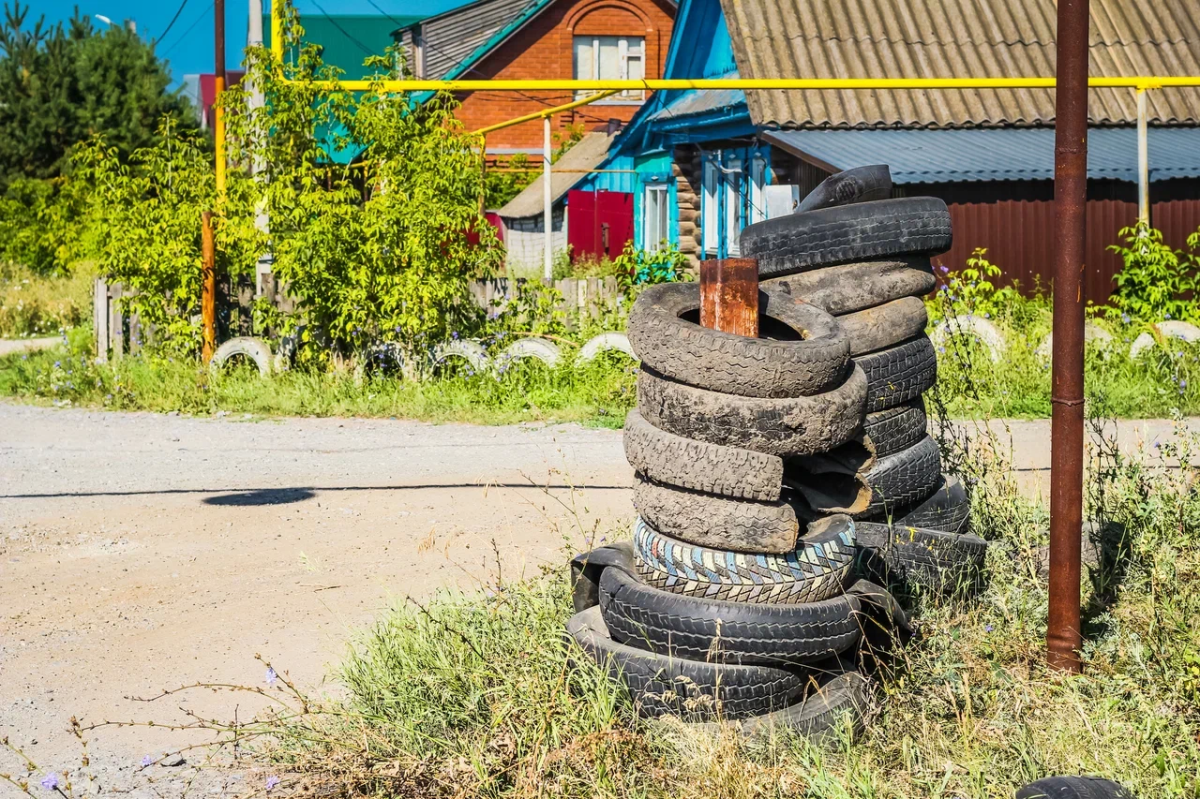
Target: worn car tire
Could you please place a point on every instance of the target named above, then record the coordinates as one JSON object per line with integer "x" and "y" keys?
{"x": 947, "y": 509}
{"x": 896, "y": 428}
{"x": 856, "y": 185}
{"x": 852, "y": 287}
{"x": 252, "y": 349}
{"x": 918, "y": 558}
{"x": 664, "y": 331}
{"x": 742, "y": 525}
{"x": 695, "y": 690}
{"x": 817, "y": 569}
{"x": 859, "y": 232}
{"x": 903, "y": 478}
{"x": 898, "y": 374}
{"x": 835, "y": 694}
{"x": 1073, "y": 788}
{"x": 792, "y": 426}
{"x": 700, "y": 466}
{"x": 885, "y": 325}
{"x": 726, "y": 632}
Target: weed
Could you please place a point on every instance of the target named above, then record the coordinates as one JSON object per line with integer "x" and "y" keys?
{"x": 36, "y": 305}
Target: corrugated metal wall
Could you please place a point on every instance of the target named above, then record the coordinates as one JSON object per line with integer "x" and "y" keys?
{"x": 1015, "y": 222}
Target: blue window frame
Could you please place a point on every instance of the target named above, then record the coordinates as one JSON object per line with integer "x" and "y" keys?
{"x": 732, "y": 197}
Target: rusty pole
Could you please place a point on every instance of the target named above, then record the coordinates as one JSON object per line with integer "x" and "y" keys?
{"x": 729, "y": 295}
{"x": 208, "y": 287}
{"x": 1063, "y": 634}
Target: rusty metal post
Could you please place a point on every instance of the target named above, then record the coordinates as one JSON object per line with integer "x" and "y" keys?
{"x": 1064, "y": 638}
{"x": 218, "y": 88}
{"x": 208, "y": 287}
{"x": 729, "y": 295}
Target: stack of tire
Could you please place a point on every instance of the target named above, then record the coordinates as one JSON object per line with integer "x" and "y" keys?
{"x": 866, "y": 261}
{"x": 734, "y": 601}
{"x": 740, "y": 596}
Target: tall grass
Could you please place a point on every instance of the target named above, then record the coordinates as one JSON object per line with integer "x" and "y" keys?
{"x": 598, "y": 393}
{"x": 33, "y": 304}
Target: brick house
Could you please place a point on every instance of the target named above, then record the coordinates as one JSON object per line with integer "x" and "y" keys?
{"x": 528, "y": 39}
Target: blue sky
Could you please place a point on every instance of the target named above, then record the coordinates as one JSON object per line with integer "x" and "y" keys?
{"x": 189, "y": 45}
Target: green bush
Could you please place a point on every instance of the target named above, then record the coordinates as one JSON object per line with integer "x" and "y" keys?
{"x": 1156, "y": 282}
{"x": 34, "y": 305}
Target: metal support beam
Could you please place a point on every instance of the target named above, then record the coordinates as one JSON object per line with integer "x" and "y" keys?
{"x": 208, "y": 288}
{"x": 1063, "y": 633}
{"x": 1143, "y": 159}
{"x": 548, "y": 203}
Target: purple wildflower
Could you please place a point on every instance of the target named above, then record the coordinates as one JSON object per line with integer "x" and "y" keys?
{"x": 1125, "y": 318}
{"x": 271, "y": 676}
{"x": 989, "y": 628}
{"x": 1168, "y": 316}
{"x": 272, "y": 782}
{"x": 57, "y": 364}
{"x": 1183, "y": 384}
{"x": 454, "y": 335}
{"x": 50, "y": 781}
{"x": 147, "y": 760}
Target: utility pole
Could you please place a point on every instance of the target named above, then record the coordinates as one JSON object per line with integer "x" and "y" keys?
{"x": 254, "y": 38}
{"x": 1064, "y": 637}
{"x": 208, "y": 286}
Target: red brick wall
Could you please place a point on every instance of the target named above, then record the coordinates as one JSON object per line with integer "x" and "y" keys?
{"x": 544, "y": 49}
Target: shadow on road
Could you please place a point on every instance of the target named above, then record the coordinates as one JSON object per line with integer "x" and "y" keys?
{"x": 262, "y": 496}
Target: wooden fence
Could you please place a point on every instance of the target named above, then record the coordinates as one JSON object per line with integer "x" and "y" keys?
{"x": 119, "y": 332}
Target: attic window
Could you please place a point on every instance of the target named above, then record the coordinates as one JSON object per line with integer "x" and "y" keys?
{"x": 611, "y": 58}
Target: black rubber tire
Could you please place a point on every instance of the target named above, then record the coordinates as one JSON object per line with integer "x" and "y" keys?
{"x": 852, "y": 287}
{"x": 726, "y": 632}
{"x": 885, "y": 325}
{"x": 1073, "y": 788}
{"x": 903, "y": 478}
{"x": 796, "y": 426}
{"x": 816, "y": 360}
{"x": 899, "y": 374}
{"x": 700, "y": 466}
{"x": 947, "y": 509}
{"x": 742, "y": 525}
{"x": 896, "y": 428}
{"x": 859, "y": 232}
{"x": 587, "y": 567}
{"x": 859, "y": 184}
{"x": 661, "y": 685}
{"x": 920, "y": 559}
{"x": 818, "y": 568}
{"x": 833, "y": 694}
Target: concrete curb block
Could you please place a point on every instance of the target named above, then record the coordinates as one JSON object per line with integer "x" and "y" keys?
{"x": 1180, "y": 330}
{"x": 975, "y": 327}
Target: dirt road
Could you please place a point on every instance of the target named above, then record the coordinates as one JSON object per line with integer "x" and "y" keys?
{"x": 140, "y": 551}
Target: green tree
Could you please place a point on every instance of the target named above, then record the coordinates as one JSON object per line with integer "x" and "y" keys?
{"x": 61, "y": 84}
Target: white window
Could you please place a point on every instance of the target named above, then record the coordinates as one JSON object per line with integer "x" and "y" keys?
{"x": 657, "y": 219}
{"x": 733, "y": 204}
{"x": 758, "y": 197}
{"x": 611, "y": 58}
{"x": 709, "y": 230}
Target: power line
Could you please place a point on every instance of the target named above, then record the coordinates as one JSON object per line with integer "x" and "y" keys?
{"x": 183, "y": 35}
{"x": 171, "y": 24}
{"x": 531, "y": 98}
{"x": 345, "y": 32}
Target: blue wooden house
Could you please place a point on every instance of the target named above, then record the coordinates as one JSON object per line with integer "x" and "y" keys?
{"x": 704, "y": 164}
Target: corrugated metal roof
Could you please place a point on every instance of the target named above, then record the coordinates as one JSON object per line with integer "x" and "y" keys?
{"x": 453, "y": 40}
{"x": 586, "y": 154}
{"x": 946, "y": 156}
{"x": 954, "y": 38}
{"x": 694, "y": 102}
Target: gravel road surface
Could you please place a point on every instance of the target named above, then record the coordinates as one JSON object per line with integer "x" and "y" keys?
{"x": 141, "y": 551}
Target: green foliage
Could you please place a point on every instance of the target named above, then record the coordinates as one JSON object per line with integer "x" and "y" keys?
{"x": 970, "y": 291}
{"x": 636, "y": 267}
{"x": 507, "y": 180}
{"x": 62, "y": 84}
{"x": 146, "y": 214}
{"x": 381, "y": 251}
{"x": 1156, "y": 282}
{"x": 43, "y": 224}
{"x": 35, "y": 305}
